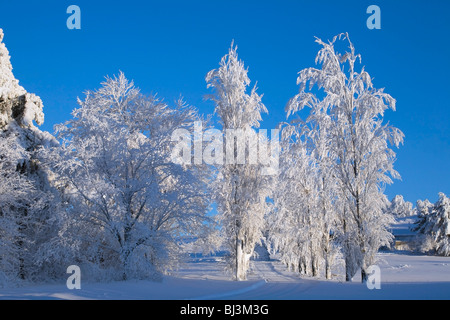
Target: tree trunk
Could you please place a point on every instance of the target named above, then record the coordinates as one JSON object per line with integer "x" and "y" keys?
{"x": 22, "y": 227}
{"x": 347, "y": 251}
{"x": 363, "y": 275}
{"x": 302, "y": 266}
{"x": 240, "y": 261}
{"x": 327, "y": 264}
{"x": 327, "y": 270}
{"x": 237, "y": 260}
{"x": 126, "y": 251}
{"x": 126, "y": 254}
{"x": 327, "y": 254}
{"x": 348, "y": 269}
{"x": 314, "y": 268}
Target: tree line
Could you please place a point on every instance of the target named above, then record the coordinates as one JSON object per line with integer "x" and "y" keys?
{"x": 104, "y": 193}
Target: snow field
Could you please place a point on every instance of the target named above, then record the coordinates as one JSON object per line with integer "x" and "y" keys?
{"x": 403, "y": 277}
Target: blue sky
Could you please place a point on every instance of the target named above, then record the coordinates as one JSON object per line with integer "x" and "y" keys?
{"x": 167, "y": 47}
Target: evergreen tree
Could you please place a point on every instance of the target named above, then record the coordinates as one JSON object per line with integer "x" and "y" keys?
{"x": 434, "y": 223}
{"x": 26, "y": 197}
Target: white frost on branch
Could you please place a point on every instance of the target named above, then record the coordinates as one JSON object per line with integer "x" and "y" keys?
{"x": 358, "y": 147}
{"x": 128, "y": 204}
{"x": 240, "y": 190}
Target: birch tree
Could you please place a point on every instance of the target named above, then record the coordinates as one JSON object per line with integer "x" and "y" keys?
{"x": 240, "y": 190}
{"x": 359, "y": 145}
{"x": 294, "y": 224}
{"x": 314, "y": 134}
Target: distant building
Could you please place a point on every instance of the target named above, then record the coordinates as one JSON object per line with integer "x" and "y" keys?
{"x": 403, "y": 235}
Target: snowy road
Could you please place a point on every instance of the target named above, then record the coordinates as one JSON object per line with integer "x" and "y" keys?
{"x": 273, "y": 271}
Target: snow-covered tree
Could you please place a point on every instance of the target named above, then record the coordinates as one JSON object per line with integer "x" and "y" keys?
{"x": 442, "y": 225}
{"x": 295, "y": 225}
{"x": 401, "y": 208}
{"x": 358, "y": 144}
{"x": 14, "y": 190}
{"x": 315, "y": 134}
{"x": 434, "y": 223}
{"x": 25, "y": 191}
{"x": 240, "y": 189}
{"x": 424, "y": 209}
{"x": 128, "y": 203}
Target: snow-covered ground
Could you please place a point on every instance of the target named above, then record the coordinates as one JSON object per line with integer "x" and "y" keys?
{"x": 403, "y": 276}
